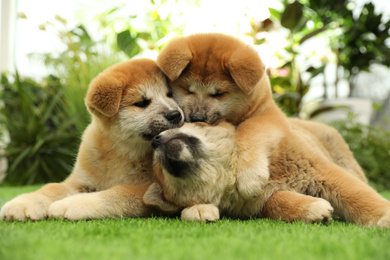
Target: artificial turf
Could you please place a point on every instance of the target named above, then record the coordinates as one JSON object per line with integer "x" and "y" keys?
{"x": 164, "y": 238}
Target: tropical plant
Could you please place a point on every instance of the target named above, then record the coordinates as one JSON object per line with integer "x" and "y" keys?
{"x": 83, "y": 59}
{"x": 42, "y": 138}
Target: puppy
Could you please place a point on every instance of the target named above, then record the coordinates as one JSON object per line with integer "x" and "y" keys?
{"x": 197, "y": 175}
{"x": 130, "y": 103}
{"x": 214, "y": 77}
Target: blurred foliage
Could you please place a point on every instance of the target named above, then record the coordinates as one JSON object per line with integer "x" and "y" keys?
{"x": 124, "y": 36}
{"x": 355, "y": 41}
{"x": 44, "y": 120}
{"x": 43, "y": 138}
{"x": 371, "y": 148}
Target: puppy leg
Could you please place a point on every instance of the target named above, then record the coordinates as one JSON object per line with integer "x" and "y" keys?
{"x": 252, "y": 176}
{"x": 353, "y": 199}
{"x": 35, "y": 205}
{"x": 334, "y": 143}
{"x": 291, "y": 206}
{"x": 255, "y": 141}
{"x": 116, "y": 202}
{"x": 201, "y": 213}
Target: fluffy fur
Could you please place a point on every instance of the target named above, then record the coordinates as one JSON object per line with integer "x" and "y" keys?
{"x": 214, "y": 77}
{"x": 129, "y": 103}
{"x": 304, "y": 185}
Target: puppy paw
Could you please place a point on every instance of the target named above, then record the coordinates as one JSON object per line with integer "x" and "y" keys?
{"x": 201, "y": 213}
{"x": 25, "y": 207}
{"x": 249, "y": 189}
{"x": 77, "y": 207}
{"x": 250, "y": 183}
{"x": 384, "y": 222}
{"x": 320, "y": 211}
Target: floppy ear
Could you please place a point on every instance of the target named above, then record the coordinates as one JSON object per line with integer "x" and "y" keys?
{"x": 104, "y": 95}
{"x": 154, "y": 197}
{"x": 246, "y": 69}
{"x": 174, "y": 57}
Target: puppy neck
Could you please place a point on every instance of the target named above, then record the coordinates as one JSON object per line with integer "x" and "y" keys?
{"x": 260, "y": 99}
{"x": 131, "y": 147}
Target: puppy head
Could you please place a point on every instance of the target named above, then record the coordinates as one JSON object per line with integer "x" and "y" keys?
{"x": 133, "y": 100}
{"x": 211, "y": 75}
{"x": 196, "y": 162}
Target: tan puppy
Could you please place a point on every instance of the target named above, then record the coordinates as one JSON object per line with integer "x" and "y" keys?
{"x": 197, "y": 174}
{"x": 215, "y": 76}
{"x": 130, "y": 103}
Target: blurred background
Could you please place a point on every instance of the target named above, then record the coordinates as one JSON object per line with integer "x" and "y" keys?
{"x": 328, "y": 60}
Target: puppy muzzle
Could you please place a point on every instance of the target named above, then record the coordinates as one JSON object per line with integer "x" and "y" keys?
{"x": 156, "y": 141}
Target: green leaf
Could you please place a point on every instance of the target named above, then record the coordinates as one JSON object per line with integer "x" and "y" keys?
{"x": 128, "y": 44}
{"x": 315, "y": 71}
{"x": 275, "y": 13}
{"x": 292, "y": 15}
{"x": 289, "y": 95}
{"x": 327, "y": 109}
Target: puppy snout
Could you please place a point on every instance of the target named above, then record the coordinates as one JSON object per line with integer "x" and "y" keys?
{"x": 197, "y": 118}
{"x": 174, "y": 116}
{"x": 156, "y": 142}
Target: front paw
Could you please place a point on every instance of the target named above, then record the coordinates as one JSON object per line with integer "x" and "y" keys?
{"x": 384, "y": 222}
{"x": 319, "y": 211}
{"x": 201, "y": 213}
{"x": 77, "y": 207}
{"x": 25, "y": 207}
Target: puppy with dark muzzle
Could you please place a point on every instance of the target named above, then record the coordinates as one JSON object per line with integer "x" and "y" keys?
{"x": 196, "y": 174}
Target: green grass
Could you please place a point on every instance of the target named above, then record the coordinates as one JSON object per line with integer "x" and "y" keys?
{"x": 162, "y": 238}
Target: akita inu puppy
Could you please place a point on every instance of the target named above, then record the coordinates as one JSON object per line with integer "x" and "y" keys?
{"x": 197, "y": 173}
{"x": 215, "y": 76}
{"x": 130, "y": 103}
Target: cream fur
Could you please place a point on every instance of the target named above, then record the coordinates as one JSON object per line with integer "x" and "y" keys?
{"x": 304, "y": 185}
{"x": 201, "y": 213}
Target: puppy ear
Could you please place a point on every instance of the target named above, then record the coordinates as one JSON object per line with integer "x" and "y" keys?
{"x": 246, "y": 69}
{"x": 174, "y": 57}
{"x": 154, "y": 197}
{"x": 104, "y": 95}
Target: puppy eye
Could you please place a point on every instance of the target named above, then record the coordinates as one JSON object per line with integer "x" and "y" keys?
{"x": 142, "y": 104}
{"x": 169, "y": 94}
{"x": 218, "y": 94}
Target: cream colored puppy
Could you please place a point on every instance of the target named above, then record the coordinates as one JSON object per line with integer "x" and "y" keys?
{"x": 198, "y": 167}
{"x": 129, "y": 103}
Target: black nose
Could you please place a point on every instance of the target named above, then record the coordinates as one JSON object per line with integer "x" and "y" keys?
{"x": 173, "y": 116}
{"x": 156, "y": 142}
{"x": 197, "y": 118}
